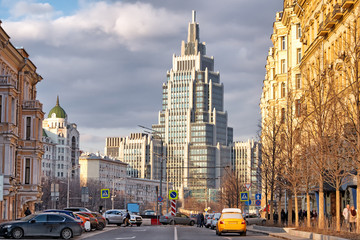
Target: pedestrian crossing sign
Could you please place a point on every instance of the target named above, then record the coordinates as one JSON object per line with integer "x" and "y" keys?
{"x": 105, "y": 193}
{"x": 244, "y": 196}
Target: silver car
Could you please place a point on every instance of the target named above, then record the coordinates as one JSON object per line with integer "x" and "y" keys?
{"x": 254, "y": 219}
{"x": 114, "y": 216}
{"x": 208, "y": 220}
{"x": 214, "y": 220}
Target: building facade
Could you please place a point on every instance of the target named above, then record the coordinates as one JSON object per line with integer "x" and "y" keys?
{"x": 21, "y": 116}
{"x": 141, "y": 152}
{"x": 246, "y": 162}
{"x": 193, "y": 120}
{"x": 61, "y": 139}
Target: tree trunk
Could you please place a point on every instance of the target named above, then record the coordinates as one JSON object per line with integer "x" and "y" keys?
{"x": 290, "y": 208}
{"x": 321, "y": 222}
{"x": 337, "y": 210}
{"x": 271, "y": 211}
{"x": 279, "y": 209}
{"x": 296, "y": 209}
{"x": 358, "y": 201}
{"x": 308, "y": 223}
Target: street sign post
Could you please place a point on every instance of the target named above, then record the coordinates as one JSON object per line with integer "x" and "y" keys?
{"x": 244, "y": 196}
{"x": 173, "y": 195}
{"x": 105, "y": 193}
{"x": 258, "y": 196}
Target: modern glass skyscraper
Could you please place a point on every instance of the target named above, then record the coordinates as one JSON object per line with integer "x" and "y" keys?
{"x": 193, "y": 122}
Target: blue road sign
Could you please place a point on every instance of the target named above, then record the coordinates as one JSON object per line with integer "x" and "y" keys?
{"x": 105, "y": 193}
{"x": 258, "y": 202}
{"x": 160, "y": 199}
{"x": 244, "y": 196}
{"x": 258, "y": 196}
{"x": 173, "y": 195}
{"x": 248, "y": 203}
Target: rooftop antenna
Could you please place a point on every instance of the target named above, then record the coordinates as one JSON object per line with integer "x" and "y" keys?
{"x": 193, "y": 16}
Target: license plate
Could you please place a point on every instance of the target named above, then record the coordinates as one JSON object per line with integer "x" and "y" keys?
{"x": 232, "y": 222}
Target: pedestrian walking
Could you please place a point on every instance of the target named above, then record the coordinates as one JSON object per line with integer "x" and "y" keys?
{"x": 352, "y": 219}
{"x": 198, "y": 219}
{"x": 346, "y": 214}
{"x": 27, "y": 211}
{"x": 202, "y": 223}
{"x": 127, "y": 219}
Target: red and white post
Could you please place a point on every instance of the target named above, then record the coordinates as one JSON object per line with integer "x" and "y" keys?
{"x": 173, "y": 207}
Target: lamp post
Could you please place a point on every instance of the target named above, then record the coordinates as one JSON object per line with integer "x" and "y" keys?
{"x": 68, "y": 183}
{"x": 113, "y": 191}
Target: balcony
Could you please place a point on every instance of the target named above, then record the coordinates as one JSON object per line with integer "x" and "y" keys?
{"x": 337, "y": 13}
{"x": 330, "y": 22}
{"x": 323, "y": 31}
{"x": 32, "y": 105}
{"x": 348, "y": 3}
{"x": 7, "y": 80}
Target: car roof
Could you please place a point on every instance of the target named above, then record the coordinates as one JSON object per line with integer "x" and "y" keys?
{"x": 231, "y": 210}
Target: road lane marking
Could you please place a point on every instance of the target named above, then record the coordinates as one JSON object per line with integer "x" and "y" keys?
{"x": 139, "y": 230}
{"x": 175, "y": 234}
{"x": 127, "y": 237}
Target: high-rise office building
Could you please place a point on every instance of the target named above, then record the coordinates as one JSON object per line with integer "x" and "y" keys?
{"x": 193, "y": 122}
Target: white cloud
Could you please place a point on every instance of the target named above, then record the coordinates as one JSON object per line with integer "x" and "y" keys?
{"x": 32, "y": 10}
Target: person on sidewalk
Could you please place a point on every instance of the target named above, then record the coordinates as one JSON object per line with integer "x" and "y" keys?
{"x": 345, "y": 213}
{"x": 352, "y": 219}
{"x": 198, "y": 219}
{"x": 202, "y": 222}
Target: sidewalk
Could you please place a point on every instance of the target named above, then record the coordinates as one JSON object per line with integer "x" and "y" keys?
{"x": 290, "y": 233}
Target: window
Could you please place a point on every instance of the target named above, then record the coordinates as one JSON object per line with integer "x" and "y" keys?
{"x": 28, "y": 128}
{"x": 283, "y": 66}
{"x": 298, "y": 31}
{"x": 54, "y": 218}
{"x": 282, "y": 115}
{"x": 298, "y": 54}
{"x": 283, "y": 90}
{"x": 298, "y": 81}
{"x": 283, "y": 43}
{"x": 27, "y": 171}
{"x": 41, "y": 218}
{"x": 297, "y": 108}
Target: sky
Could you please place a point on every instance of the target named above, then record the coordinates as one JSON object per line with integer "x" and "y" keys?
{"x": 107, "y": 60}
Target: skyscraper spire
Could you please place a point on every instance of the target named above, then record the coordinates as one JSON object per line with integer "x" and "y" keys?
{"x": 193, "y": 16}
{"x": 57, "y": 101}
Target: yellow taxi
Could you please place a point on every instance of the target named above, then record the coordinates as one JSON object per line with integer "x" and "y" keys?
{"x": 231, "y": 221}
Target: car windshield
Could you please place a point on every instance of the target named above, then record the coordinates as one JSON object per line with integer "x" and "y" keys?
{"x": 231, "y": 215}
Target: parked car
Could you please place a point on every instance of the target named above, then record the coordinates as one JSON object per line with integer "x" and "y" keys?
{"x": 231, "y": 221}
{"x": 67, "y": 212}
{"x": 101, "y": 220}
{"x": 149, "y": 212}
{"x": 254, "y": 219}
{"x": 214, "y": 220}
{"x": 135, "y": 219}
{"x": 207, "y": 221}
{"x": 194, "y": 217}
{"x": 77, "y": 209}
{"x": 114, "y": 216}
{"x": 93, "y": 221}
{"x": 179, "y": 218}
{"x": 85, "y": 222}
{"x": 42, "y": 224}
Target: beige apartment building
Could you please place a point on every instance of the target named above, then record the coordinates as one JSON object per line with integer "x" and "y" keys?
{"x": 21, "y": 117}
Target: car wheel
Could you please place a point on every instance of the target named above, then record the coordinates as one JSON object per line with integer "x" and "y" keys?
{"x": 100, "y": 226}
{"x": 107, "y": 221}
{"x": 263, "y": 222}
{"x": 138, "y": 224}
{"x": 243, "y": 233}
{"x": 66, "y": 233}
{"x": 217, "y": 232}
{"x": 17, "y": 233}
{"x": 192, "y": 223}
{"x": 119, "y": 224}
{"x": 220, "y": 233}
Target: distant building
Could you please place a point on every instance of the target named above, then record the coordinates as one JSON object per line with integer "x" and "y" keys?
{"x": 21, "y": 115}
{"x": 61, "y": 139}
{"x": 140, "y": 151}
{"x": 193, "y": 122}
{"x": 246, "y": 162}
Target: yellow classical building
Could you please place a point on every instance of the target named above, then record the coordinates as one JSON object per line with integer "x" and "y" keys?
{"x": 20, "y": 131}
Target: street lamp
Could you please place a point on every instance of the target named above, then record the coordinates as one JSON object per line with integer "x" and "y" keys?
{"x": 68, "y": 183}
{"x": 113, "y": 191}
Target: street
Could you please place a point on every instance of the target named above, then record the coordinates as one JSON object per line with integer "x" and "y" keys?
{"x": 167, "y": 232}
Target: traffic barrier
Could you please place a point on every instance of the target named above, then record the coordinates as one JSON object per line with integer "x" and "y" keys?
{"x": 155, "y": 221}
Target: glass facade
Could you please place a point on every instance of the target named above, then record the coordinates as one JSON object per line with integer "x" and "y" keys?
{"x": 192, "y": 122}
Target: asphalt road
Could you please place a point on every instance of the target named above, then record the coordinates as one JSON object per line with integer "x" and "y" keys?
{"x": 167, "y": 232}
